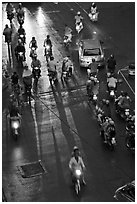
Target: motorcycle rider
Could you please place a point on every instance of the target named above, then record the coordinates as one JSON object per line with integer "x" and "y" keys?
{"x": 67, "y": 66}
{"x": 108, "y": 123}
{"x": 78, "y": 17}
{"x": 76, "y": 161}
{"x": 89, "y": 85}
{"x": 93, "y": 8}
{"x": 20, "y": 12}
{"x": 9, "y": 10}
{"x": 111, "y": 64}
{"x": 20, "y": 48}
{"x": 92, "y": 68}
{"x": 7, "y": 33}
{"x": 47, "y": 41}
{"x": 111, "y": 82}
{"x": 68, "y": 32}
{"x": 52, "y": 67}
{"x": 13, "y": 109}
{"x": 21, "y": 31}
{"x": 36, "y": 63}
{"x": 123, "y": 102}
{"x": 33, "y": 43}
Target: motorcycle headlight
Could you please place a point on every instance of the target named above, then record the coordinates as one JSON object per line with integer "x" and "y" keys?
{"x": 47, "y": 47}
{"x": 21, "y": 36}
{"x": 33, "y": 48}
{"x": 112, "y": 93}
{"x": 95, "y": 97}
{"x": 15, "y": 124}
{"x": 126, "y": 112}
{"x": 78, "y": 172}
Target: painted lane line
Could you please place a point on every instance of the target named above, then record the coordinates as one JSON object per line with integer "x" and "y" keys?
{"x": 127, "y": 82}
{"x": 52, "y": 12}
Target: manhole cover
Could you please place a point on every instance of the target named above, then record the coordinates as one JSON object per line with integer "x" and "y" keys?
{"x": 32, "y": 169}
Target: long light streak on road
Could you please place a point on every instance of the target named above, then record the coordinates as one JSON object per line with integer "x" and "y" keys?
{"x": 126, "y": 82}
{"x": 36, "y": 129}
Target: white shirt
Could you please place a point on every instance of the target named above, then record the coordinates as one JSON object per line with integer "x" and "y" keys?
{"x": 74, "y": 164}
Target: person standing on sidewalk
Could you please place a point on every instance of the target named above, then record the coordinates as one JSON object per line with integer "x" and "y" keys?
{"x": 7, "y": 33}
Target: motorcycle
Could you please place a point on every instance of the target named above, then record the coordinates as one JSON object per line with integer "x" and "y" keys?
{"x": 79, "y": 27}
{"x": 15, "y": 126}
{"x": 36, "y": 73}
{"x": 28, "y": 93}
{"x": 20, "y": 20}
{"x": 48, "y": 52}
{"x": 124, "y": 114}
{"x": 130, "y": 141}
{"x": 33, "y": 52}
{"x": 20, "y": 57}
{"x": 22, "y": 37}
{"x": 77, "y": 180}
{"x": 67, "y": 40}
{"x": 93, "y": 16}
{"x": 112, "y": 94}
{"x": 68, "y": 73}
{"x": 52, "y": 77}
{"x": 109, "y": 137}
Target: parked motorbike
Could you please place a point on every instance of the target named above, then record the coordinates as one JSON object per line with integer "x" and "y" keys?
{"x": 79, "y": 27}
{"x": 15, "y": 126}
{"x": 93, "y": 17}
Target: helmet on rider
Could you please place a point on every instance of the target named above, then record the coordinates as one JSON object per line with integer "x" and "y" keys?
{"x": 33, "y": 38}
{"x": 78, "y": 13}
{"x": 75, "y": 148}
{"x": 66, "y": 59}
{"x": 48, "y": 36}
{"x": 93, "y": 5}
{"x": 20, "y": 5}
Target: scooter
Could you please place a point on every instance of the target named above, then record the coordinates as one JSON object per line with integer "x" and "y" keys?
{"x": 112, "y": 94}
{"x": 109, "y": 138}
{"x": 79, "y": 27}
{"x": 77, "y": 180}
{"x": 93, "y": 17}
{"x": 124, "y": 114}
{"x": 15, "y": 126}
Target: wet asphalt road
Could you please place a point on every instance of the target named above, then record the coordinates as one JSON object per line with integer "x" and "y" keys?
{"x": 60, "y": 116}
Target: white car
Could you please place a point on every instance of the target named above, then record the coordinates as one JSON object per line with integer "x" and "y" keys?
{"x": 89, "y": 49}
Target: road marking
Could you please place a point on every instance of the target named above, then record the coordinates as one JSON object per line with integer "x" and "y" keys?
{"x": 36, "y": 131}
{"x": 126, "y": 81}
{"x": 81, "y": 8}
